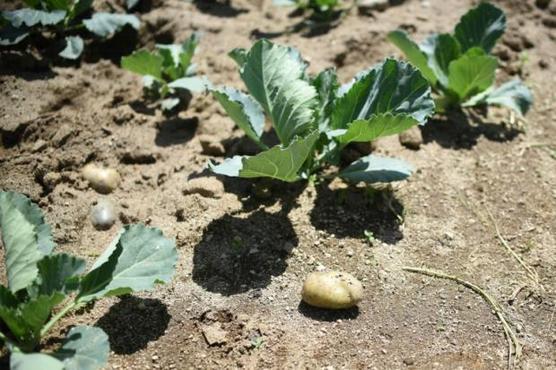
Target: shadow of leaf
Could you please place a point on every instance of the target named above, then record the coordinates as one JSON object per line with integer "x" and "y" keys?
{"x": 134, "y": 322}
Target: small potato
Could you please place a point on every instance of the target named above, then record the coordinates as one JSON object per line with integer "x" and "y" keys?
{"x": 103, "y": 180}
{"x": 332, "y": 289}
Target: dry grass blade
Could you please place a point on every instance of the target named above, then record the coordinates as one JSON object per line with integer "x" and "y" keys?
{"x": 514, "y": 347}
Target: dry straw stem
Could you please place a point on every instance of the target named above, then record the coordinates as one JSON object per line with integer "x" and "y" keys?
{"x": 530, "y": 272}
{"x": 514, "y": 347}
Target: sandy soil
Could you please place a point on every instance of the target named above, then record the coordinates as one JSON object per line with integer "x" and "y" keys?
{"x": 243, "y": 260}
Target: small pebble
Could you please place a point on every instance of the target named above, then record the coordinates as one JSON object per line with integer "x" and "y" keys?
{"x": 208, "y": 187}
{"x": 103, "y": 214}
{"x": 332, "y": 289}
{"x": 103, "y": 180}
{"x": 412, "y": 138}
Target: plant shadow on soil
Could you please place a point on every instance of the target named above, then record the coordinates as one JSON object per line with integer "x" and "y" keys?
{"x": 222, "y": 9}
{"x": 458, "y": 131}
{"x": 241, "y": 251}
{"x": 352, "y": 211}
{"x": 133, "y": 322}
{"x": 175, "y": 131}
{"x": 322, "y": 314}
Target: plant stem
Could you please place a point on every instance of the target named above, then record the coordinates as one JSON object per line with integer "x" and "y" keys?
{"x": 58, "y": 316}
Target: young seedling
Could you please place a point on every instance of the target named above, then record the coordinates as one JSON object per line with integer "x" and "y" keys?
{"x": 62, "y": 17}
{"x": 459, "y": 66}
{"x": 167, "y": 71}
{"x": 314, "y": 117}
{"x": 40, "y": 280}
{"x": 317, "y": 11}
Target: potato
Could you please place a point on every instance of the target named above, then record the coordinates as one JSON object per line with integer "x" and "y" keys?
{"x": 332, "y": 289}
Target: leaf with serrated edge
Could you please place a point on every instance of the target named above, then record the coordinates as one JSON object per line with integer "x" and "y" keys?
{"x": 34, "y": 361}
{"x": 326, "y": 84}
{"x": 277, "y": 162}
{"x": 372, "y": 168}
{"x": 377, "y": 126}
{"x": 390, "y": 87}
{"x": 32, "y": 17}
{"x": 26, "y": 238}
{"x": 106, "y": 24}
{"x": 54, "y": 272}
{"x": 471, "y": 74}
{"x": 413, "y": 54}
{"x": 141, "y": 258}
{"x": 84, "y": 348}
{"x": 481, "y": 27}
{"x": 274, "y": 77}
{"x": 243, "y": 110}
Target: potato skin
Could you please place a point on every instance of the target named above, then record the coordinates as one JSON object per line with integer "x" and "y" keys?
{"x": 332, "y": 290}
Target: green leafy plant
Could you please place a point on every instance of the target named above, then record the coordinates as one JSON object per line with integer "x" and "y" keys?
{"x": 314, "y": 117}
{"x": 63, "y": 17}
{"x": 167, "y": 71}
{"x": 40, "y": 280}
{"x": 319, "y": 10}
{"x": 459, "y": 66}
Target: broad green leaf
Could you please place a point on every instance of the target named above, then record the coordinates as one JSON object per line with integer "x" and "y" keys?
{"x": 32, "y": 17}
{"x": 34, "y": 361}
{"x": 513, "y": 94}
{"x": 85, "y": 348}
{"x": 441, "y": 50}
{"x": 26, "y": 238}
{"x": 273, "y": 76}
{"x": 391, "y": 87}
{"x": 10, "y": 35}
{"x": 140, "y": 258}
{"x": 193, "y": 84}
{"x": 413, "y": 54}
{"x": 372, "y": 168}
{"x": 243, "y": 110}
{"x": 471, "y": 74}
{"x": 73, "y": 49}
{"x": 36, "y": 312}
{"x": 144, "y": 63}
{"x": 326, "y": 84}
{"x": 377, "y": 126}
{"x": 481, "y": 27}
{"x": 106, "y": 24}
{"x": 277, "y": 162}
{"x": 56, "y": 273}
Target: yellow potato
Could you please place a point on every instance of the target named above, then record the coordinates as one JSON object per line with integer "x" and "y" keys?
{"x": 332, "y": 289}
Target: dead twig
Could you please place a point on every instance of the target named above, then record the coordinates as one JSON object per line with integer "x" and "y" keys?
{"x": 514, "y": 347}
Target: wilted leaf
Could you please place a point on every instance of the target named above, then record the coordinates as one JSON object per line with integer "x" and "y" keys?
{"x": 106, "y": 24}
{"x": 513, "y": 94}
{"x": 273, "y": 76}
{"x": 277, "y": 162}
{"x": 85, "y": 348}
{"x": 26, "y": 238}
{"x": 73, "y": 49}
{"x": 372, "y": 168}
{"x": 10, "y": 35}
{"x": 481, "y": 27}
{"x": 243, "y": 110}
